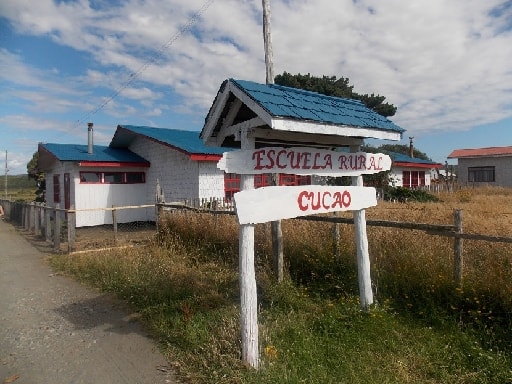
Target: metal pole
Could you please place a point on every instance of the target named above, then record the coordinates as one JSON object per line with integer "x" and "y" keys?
{"x": 6, "y": 170}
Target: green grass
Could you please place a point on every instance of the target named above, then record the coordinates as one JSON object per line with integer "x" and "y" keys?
{"x": 423, "y": 329}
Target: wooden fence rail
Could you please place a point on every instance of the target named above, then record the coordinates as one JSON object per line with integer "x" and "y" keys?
{"x": 47, "y": 222}
{"x": 455, "y": 231}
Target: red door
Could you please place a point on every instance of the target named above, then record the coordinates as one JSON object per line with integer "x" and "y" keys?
{"x": 67, "y": 191}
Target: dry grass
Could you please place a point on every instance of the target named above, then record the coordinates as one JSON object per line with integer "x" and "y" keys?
{"x": 185, "y": 284}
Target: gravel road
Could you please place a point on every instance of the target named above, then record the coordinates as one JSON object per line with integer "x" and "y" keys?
{"x": 55, "y": 330}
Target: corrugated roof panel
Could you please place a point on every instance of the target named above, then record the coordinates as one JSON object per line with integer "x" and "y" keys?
{"x": 314, "y": 106}
{"x": 481, "y": 152}
{"x": 76, "y": 152}
{"x": 188, "y": 141}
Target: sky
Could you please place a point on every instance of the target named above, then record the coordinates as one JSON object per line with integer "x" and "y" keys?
{"x": 445, "y": 64}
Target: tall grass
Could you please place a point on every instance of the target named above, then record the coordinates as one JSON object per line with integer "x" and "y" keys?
{"x": 424, "y": 329}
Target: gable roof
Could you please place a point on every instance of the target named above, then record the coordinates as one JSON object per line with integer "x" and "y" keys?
{"x": 402, "y": 160}
{"x": 481, "y": 152}
{"x": 101, "y": 155}
{"x": 289, "y": 109}
{"x": 187, "y": 142}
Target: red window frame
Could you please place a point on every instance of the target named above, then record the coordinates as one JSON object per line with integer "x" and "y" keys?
{"x": 125, "y": 179}
{"x": 413, "y": 179}
{"x": 56, "y": 188}
{"x": 232, "y": 181}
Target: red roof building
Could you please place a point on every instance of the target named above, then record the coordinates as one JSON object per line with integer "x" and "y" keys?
{"x": 484, "y": 166}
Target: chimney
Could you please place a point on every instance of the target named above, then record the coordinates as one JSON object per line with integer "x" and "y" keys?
{"x": 90, "y": 139}
{"x": 411, "y": 147}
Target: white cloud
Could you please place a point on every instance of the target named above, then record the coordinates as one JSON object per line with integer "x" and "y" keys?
{"x": 445, "y": 65}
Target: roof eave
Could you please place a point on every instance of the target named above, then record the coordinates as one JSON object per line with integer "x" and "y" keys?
{"x": 416, "y": 165}
{"x": 282, "y": 124}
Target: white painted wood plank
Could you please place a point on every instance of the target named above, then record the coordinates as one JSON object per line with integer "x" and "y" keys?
{"x": 318, "y": 128}
{"x": 275, "y": 203}
{"x": 303, "y": 161}
{"x": 248, "y": 293}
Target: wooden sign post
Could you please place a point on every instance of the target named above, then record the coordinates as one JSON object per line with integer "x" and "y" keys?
{"x": 275, "y": 203}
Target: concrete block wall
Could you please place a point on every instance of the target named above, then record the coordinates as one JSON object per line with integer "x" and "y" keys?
{"x": 502, "y": 164}
{"x": 178, "y": 175}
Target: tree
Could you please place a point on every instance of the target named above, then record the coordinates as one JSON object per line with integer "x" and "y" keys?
{"x": 404, "y": 150}
{"x": 331, "y": 86}
{"x": 34, "y": 173}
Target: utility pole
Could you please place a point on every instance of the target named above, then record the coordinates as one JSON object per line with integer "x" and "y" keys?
{"x": 267, "y": 40}
{"x": 276, "y": 229}
{"x": 6, "y": 170}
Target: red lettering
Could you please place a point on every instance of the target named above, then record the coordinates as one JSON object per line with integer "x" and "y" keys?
{"x": 328, "y": 161}
{"x": 270, "y": 158}
{"x": 343, "y": 162}
{"x": 315, "y": 160}
{"x": 259, "y": 158}
{"x": 326, "y": 206}
{"x": 300, "y": 200}
{"x": 316, "y": 200}
{"x": 362, "y": 162}
{"x": 307, "y": 157}
{"x": 279, "y": 162}
{"x": 294, "y": 159}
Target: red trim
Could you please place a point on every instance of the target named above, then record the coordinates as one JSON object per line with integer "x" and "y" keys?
{"x": 112, "y": 164}
{"x": 417, "y": 165}
{"x": 202, "y": 157}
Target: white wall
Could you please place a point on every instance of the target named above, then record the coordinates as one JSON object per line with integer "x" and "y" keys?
{"x": 180, "y": 177}
{"x": 211, "y": 180}
{"x": 396, "y": 175}
{"x": 93, "y": 197}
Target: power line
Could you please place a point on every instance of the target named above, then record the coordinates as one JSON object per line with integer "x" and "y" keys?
{"x": 190, "y": 23}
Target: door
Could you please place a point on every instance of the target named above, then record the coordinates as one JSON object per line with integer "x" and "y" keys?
{"x": 67, "y": 191}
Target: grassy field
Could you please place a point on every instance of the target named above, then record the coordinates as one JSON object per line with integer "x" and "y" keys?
{"x": 19, "y": 188}
{"x": 423, "y": 328}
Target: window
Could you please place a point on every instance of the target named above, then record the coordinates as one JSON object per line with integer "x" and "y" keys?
{"x": 113, "y": 177}
{"x": 56, "y": 188}
{"x": 262, "y": 180}
{"x": 481, "y": 174}
{"x": 413, "y": 179}
{"x": 135, "y": 178}
{"x": 90, "y": 177}
{"x": 232, "y": 181}
{"x": 231, "y": 184}
{"x": 287, "y": 179}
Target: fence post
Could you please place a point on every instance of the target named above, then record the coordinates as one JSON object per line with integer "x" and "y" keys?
{"x": 458, "y": 259}
{"x": 56, "y": 233}
{"x": 71, "y": 228}
{"x": 114, "y": 223}
{"x": 336, "y": 235}
{"x": 26, "y": 217}
{"x": 37, "y": 220}
{"x": 47, "y": 224}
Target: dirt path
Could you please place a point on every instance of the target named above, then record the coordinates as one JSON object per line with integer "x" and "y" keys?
{"x": 55, "y": 330}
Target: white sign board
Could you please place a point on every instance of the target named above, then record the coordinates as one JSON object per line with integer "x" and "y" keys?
{"x": 275, "y": 203}
{"x": 303, "y": 161}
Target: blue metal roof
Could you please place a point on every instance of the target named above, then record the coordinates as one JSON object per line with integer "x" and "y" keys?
{"x": 101, "y": 153}
{"x": 187, "y": 141}
{"x": 401, "y": 158}
{"x": 286, "y": 102}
